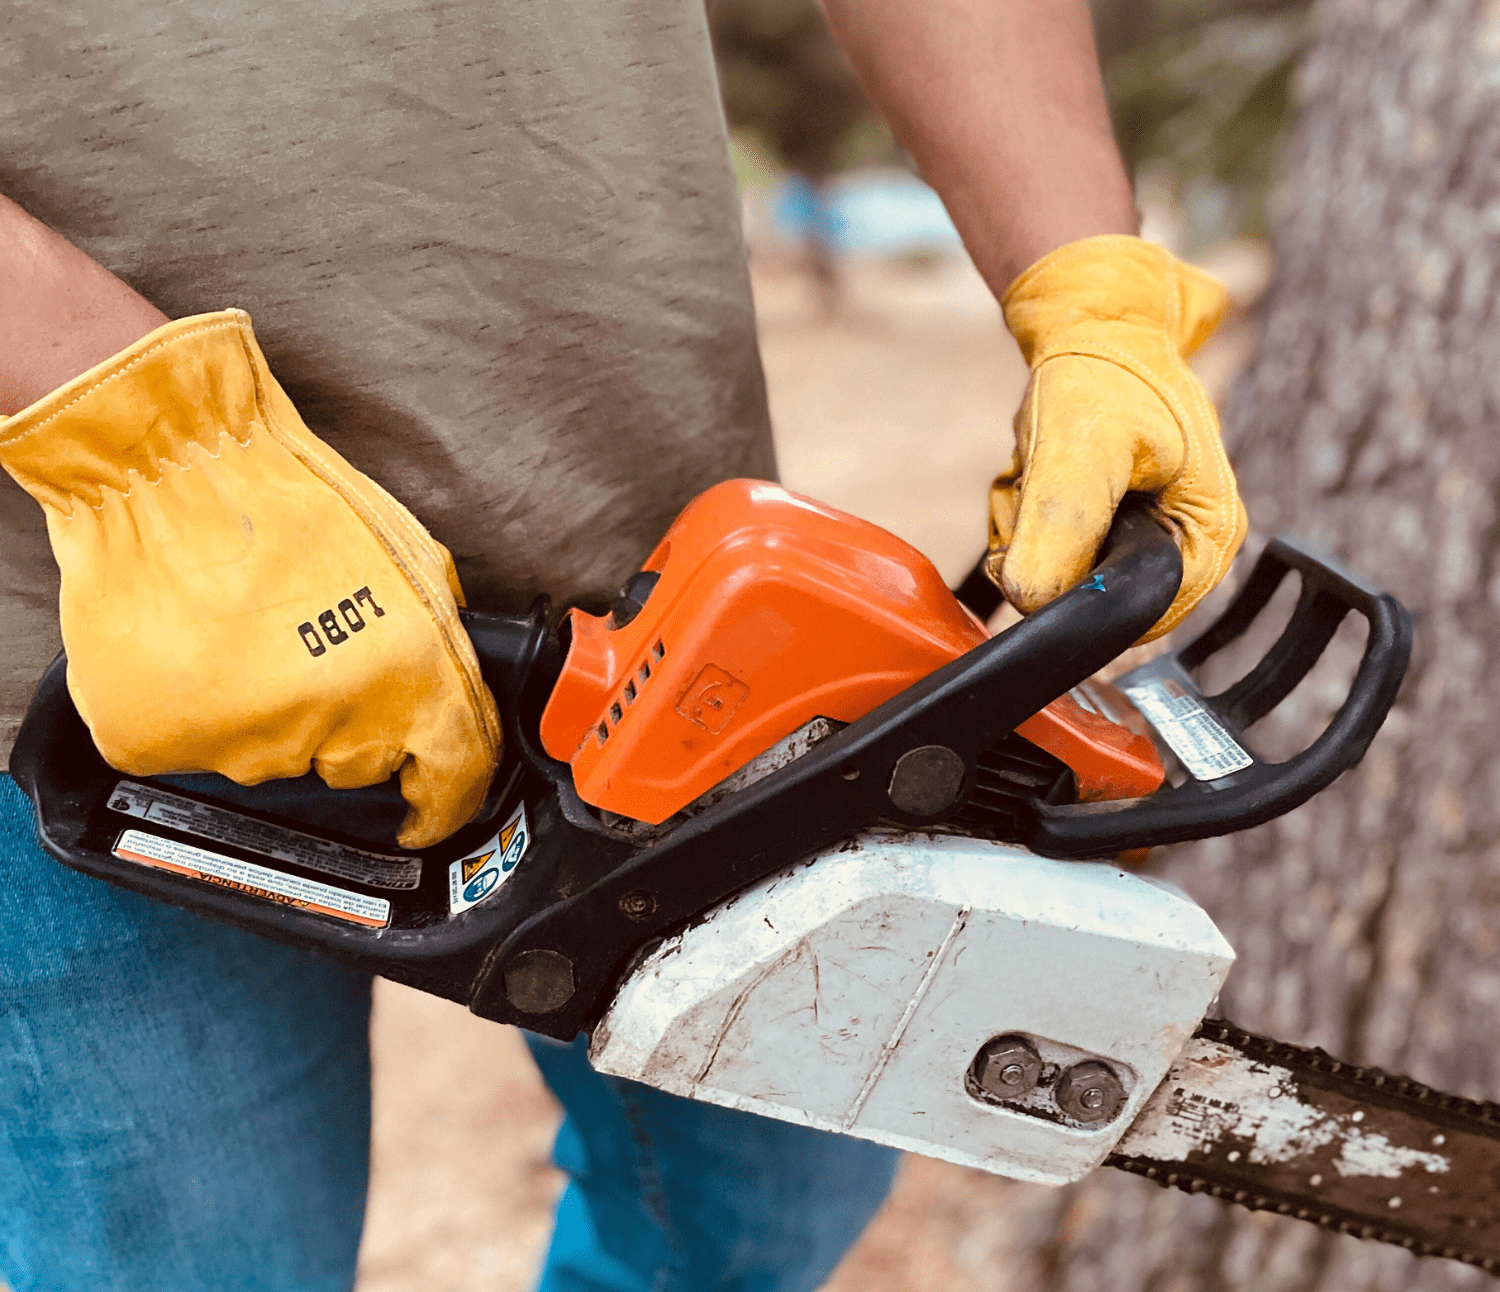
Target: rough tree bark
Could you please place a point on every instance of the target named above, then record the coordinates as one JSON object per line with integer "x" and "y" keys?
{"x": 1367, "y": 922}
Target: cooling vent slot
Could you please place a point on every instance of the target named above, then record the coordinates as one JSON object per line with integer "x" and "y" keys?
{"x": 1013, "y": 772}
{"x": 627, "y": 696}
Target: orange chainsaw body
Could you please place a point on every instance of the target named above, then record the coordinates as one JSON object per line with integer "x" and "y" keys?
{"x": 771, "y": 610}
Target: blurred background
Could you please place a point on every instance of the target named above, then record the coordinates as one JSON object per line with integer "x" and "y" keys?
{"x": 1359, "y": 409}
{"x": 879, "y": 339}
{"x": 1200, "y": 94}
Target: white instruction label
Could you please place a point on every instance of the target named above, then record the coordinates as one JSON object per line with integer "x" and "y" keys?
{"x": 219, "y": 825}
{"x": 1195, "y": 735}
{"x": 246, "y": 877}
{"x": 473, "y": 878}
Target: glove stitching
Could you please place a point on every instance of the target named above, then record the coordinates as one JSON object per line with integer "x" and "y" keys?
{"x": 419, "y": 537}
{"x": 1181, "y": 604}
{"x": 1220, "y": 534}
{"x": 1206, "y": 416}
{"x": 1136, "y": 368}
{"x": 326, "y": 471}
{"x": 1192, "y": 463}
{"x": 416, "y": 578}
{"x": 1030, "y": 402}
{"x": 1219, "y": 541}
{"x": 444, "y": 617}
{"x": 113, "y": 376}
{"x": 133, "y": 475}
{"x": 1146, "y": 373}
{"x": 1087, "y": 248}
{"x": 442, "y": 614}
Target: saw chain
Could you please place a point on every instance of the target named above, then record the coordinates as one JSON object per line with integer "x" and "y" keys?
{"x": 1355, "y": 1150}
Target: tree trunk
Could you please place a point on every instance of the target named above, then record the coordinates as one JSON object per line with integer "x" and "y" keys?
{"x": 1368, "y": 921}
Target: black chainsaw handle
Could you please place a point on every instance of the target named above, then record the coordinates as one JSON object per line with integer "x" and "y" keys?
{"x": 55, "y": 761}
{"x": 1260, "y": 792}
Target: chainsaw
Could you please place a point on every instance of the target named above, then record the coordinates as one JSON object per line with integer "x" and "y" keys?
{"x": 788, "y": 830}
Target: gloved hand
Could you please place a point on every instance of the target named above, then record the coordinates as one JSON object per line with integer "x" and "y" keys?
{"x": 236, "y": 597}
{"x": 1106, "y": 324}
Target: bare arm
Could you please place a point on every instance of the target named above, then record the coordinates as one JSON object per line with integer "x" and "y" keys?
{"x": 63, "y": 311}
{"x": 1001, "y": 104}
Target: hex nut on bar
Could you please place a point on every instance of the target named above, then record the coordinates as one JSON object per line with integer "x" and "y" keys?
{"x": 1090, "y": 1092}
{"x": 1007, "y": 1067}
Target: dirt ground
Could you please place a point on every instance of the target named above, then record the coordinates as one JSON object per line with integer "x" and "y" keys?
{"x": 896, "y": 406}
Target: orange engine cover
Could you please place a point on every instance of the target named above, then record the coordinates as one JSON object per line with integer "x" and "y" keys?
{"x": 771, "y": 610}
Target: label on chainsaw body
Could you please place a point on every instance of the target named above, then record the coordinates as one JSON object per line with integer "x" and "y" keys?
{"x": 246, "y": 877}
{"x": 1194, "y": 734}
{"x": 219, "y": 825}
{"x": 473, "y": 878}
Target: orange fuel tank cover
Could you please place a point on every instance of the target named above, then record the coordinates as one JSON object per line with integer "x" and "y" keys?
{"x": 769, "y": 610}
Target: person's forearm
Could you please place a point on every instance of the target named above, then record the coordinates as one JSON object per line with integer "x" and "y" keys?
{"x": 1001, "y": 104}
{"x": 60, "y": 311}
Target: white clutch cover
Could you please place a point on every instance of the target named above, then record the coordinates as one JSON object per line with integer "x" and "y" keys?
{"x": 853, "y": 994}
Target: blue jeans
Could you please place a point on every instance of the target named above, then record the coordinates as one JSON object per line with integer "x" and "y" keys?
{"x": 185, "y": 1106}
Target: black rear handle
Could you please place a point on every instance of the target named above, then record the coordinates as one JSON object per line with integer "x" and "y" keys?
{"x": 1229, "y": 787}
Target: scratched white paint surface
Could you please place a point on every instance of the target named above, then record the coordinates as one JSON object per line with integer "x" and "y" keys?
{"x": 852, "y": 994}
{"x": 1225, "y": 1095}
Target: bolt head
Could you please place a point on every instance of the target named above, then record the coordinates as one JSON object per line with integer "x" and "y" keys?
{"x": 927, "y": 781}
{"x": 1090, "y": 1092}
{"x": 540, "y": 981}
{"x": 1007, "y": 1067}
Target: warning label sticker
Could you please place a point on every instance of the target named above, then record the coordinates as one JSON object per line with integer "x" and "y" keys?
{"x": 246, "y": 877}
{"x": 219, "y": 825}
{"x": 473, "y": 878}
{"x": 1195, "y": 735}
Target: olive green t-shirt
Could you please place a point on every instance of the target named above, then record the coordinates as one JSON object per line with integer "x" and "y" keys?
{"x": 490, "y": 248}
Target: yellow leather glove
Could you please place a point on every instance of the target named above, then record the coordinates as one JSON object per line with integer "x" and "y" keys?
{"x": 236, "y": 597}
{"x": 1106, "y": 324}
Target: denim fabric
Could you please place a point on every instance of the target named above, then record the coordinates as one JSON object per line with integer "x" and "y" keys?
{"x": 186, "y": 1107}
{"x": 671, "y": 1195}
{"x": 182, "y": 1106}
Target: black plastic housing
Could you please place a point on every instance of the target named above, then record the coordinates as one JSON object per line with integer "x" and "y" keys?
{"x": 548, "y": 949}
